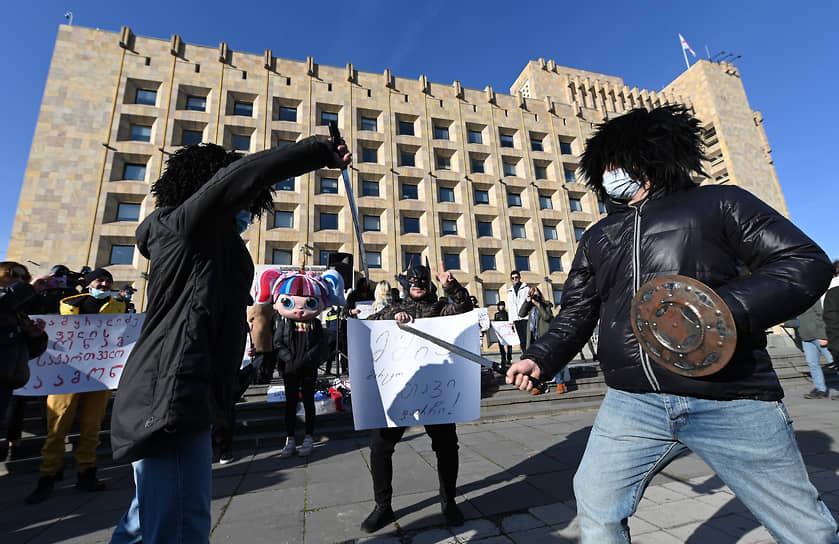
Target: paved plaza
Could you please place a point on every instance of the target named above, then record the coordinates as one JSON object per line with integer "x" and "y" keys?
{"x": 514, "y": 486}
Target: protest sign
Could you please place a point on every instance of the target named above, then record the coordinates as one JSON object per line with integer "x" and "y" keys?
{"x": 503, "y": 332}
{"x": 365, "y": 309}
{"x": 85, "y": 353}
{"x": 400, "y": 380}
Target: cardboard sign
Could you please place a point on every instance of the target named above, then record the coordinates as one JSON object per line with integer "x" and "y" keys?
{"x": 503, "y": 332}
{"x": 85, "y": 353}
{"x": 399, "y": 379}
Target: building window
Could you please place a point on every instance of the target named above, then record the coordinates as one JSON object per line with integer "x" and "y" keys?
{"x": 578, "y": 232}
{"x": 134, "y": 172}
{"x": 491, "y": 297}
{"x": 441, "y": 133}
{"x": 121, "y": 254}
{"x": 369, "y": 123}
{"x": 557, "y": 297}
{"x": 476, "y": 166}
{"x": 241, "y": 143}
{"x": 372, "y": 223}
{"x": 481, "y": 196}
{"x": 288, "y": 114}
{"x": 487, "y": 262}
{"x": 409, "y": 192}
{"x": 281, "y": 256}
{"x": 601, "y": 207}
{"x": 536, "y": 143}
{"x": 448, "y": 227}
{"x": 484, "y": 228}
{"x": 329, "y": 186}
{"x": 575, "y": 204}
{"x": 506, "y": 140}
{"x": 565, "y": 148}
{"x": 406, "y": 128}
{"x": 369, "y": 154}
{"x": 522, "y": 262}
{"x": 540, "y": 172}
{"x": 517, "y": 230}
{"x": 140, "y": 133}
{"x": 550, "y": 232}
{"x": 328, "y": 221}
{"x": 374, "y": 259}
{"x": 509, "y": 168}
{"x": 410, "y": 225}
{"x": 285, "y": 185}
{"x": 451, "y": 261}
{"x": 323, "y": 256}
{"x": 196, "y": 103}
{"x": 283, "y": 220}
{"x": 446, "y": 194}
{"x": 474, "y": 136}
{"x": 570, "y": 176}
{"x": 128, "y": 212}
{"x": 146, "y": 97}
{"x": 245, "y": 109}
{"x": 545, "y": 202}
{"x": 406, "y": 158}
{"x": 369, "y": 188}
{"x": 191, "y": 137}
{"x": 513, "y": 200}
{"x": 554, "y": 264}
{"x": 412, "y": 258}
{"x": 327, "y": 116}
{"x": 444, "y": 162}
{"x": 284, "y": 143}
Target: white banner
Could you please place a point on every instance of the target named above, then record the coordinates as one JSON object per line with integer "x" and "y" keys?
{"x": 85, "y": 353}
{"x": 503, "y": 332}
{"x": 399, "y": 379}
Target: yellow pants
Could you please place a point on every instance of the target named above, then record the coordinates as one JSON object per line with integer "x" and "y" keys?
{"x": 61, "y": 410}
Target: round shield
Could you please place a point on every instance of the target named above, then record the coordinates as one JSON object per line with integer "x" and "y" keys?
{"x": 683, "y": 325}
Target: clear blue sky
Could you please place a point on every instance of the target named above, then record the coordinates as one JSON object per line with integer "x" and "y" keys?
{"x": 788, "y": 60}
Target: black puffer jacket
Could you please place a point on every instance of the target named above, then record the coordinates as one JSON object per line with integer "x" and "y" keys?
{"x": 183, "y": 368}
{"x": 16, "y": 346}
{"x": 708, "y": 233}
{"x": 430, "y": 305}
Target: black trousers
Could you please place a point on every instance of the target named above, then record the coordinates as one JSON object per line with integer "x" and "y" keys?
{"x": 506, "y": 352}
{"x": 521, "y": 329}
{"x": 306, "y": 386}
{"x": 443, "y": 442}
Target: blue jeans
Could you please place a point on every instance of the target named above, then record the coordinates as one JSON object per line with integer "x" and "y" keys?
{"x": 749, "y": 444}
{"x": 812, "y": 350}
{"x": 173, "y": 493}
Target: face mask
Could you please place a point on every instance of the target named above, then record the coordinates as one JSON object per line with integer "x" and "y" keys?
{"x": 243, "y": 219}
{"x": 619, "y": 185}
{"x": 98, "y": 293}
{"x": 127, "y": 297}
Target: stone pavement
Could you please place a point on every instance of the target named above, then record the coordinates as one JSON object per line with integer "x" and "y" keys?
{"x": 515, "y": 486}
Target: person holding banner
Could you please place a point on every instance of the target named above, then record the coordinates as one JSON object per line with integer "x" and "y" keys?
{"x": 505, "y": 349}
{"x": 421, "y": 301}
{"x": 668, "y": 243}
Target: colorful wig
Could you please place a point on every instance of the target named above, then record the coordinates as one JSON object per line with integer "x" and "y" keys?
{"x": 329, "y": 288}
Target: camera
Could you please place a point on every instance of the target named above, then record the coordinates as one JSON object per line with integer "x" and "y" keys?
{"x": 61, "y": 277}
{"x": 536, "y": 297}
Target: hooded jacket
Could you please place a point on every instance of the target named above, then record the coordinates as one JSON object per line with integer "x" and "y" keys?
{"x": 763, "y": 267}
{"x": 183, "y": 368}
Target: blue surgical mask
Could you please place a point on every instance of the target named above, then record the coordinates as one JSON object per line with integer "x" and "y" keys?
{"x": 100, "y": 294}
{"x": 619, "y": 185}
{"x": 127, "y": 296}
{"x": 243, "y": 219}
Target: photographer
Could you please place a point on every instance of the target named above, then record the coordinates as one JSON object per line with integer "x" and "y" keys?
{"x": 537, "y": 311}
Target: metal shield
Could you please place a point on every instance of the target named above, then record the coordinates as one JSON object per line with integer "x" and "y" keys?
{"x": 683, "y": 325}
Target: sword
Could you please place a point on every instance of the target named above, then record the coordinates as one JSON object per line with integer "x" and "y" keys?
{"x": 336, "y": 137}
{"x": 466, "y": 354}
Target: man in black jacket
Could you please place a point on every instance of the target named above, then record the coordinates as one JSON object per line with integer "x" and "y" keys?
{"x": 661, "y": 223}
{"x": 182, "y": 371}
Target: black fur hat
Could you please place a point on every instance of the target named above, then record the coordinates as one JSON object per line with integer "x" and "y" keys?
{"x": 662, "y": 146}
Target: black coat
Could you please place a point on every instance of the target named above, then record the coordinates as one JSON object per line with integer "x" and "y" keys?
{"x": 710, "y": 233}
{"x": 830, "y": 315}
{"x": 182, "y": 371}
{"x": 16, "y": 346}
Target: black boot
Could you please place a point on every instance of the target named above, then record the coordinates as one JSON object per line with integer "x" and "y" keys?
{"x": 380, "y": 516}
{"x": 452, "y": 513}
{"x": 88, "y": 482}
{"x": 46, "y": 484}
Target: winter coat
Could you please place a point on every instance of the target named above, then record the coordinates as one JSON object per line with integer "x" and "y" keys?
{"x": 299, "y": 364}
{"x": 707, "y": 233}
{"x": 830, "y": 315}
{"x": 72, "y": 305}
{"x": 543, "y": 320}
{"x": 516, "y": 300}
{"x": 811, "y": 326}
{"x": 430, "y": 305}
{"x": 182, "y": 371}
{"x": 16, "y": 346}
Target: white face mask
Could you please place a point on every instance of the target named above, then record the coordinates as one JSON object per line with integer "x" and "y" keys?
{"x": 98, "y": 293}
{"x": 619, "y": 185}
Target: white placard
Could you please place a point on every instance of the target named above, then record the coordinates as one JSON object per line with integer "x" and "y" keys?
{"x": 504, "y": 332}
{"x": 399, "y": 379}
{"x": 483, "y": 319}
{"x": 365, "y": 309}
{"x": 85, "y": 353}
{"x": 276, "y": 393}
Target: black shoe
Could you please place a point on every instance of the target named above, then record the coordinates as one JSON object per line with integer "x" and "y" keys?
{"x": 46, "y": 484}
{"x": 378, "y": 518}
{"x": 816, "y": 394}
{"x": 88, "y": 482}
{"x": 452, "y": 513}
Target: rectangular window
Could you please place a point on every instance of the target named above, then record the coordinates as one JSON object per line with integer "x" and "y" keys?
{"x": 284, "y": 143}
{"x": 575, "y": 204}
{"x": 448, "y": 227}
{"x": 545, "y": 202}
{"x": 506, "y": 140}
{"x": 481, "y": 196}
{"x": 446, "y": 194}
{"x": 522, "y": 262}
{"x": 565, "y": 148}
{"x": 554, "y": 264}
{"x": 244, "y": 109}
{"x": 369, "y": 154}
{"x": 513, "y": 200}
{"x": 444, "y": 162}
{"x": 140, "y": 133}
{"x": 196, "y": 103}
{"x": 146, "y": 97}
{"x": 191, "y": 137}
{"x": 372, "y": 223}
{"x": 484, "y": 228}
{"x": 134, "y": 172}
{"x": 451, "y": 261}
{"x": 241, "y": 143}
{"x": 288, "y": 114}
{"x": 491, "y": 297}
{"x": 441, "y": 133}
{"x": 283, "y": 220}
{"x": 374, "y": 259}
{"x": 406, "y": 128}
{"x": 329, "y": 186}
{"x": 557, "y": 297}
{"x": 540, "y": 172}
{"x": 369, "y": 188}
{"x": 327, "y": 116}
{"x": 369, "y": 123}
{"x": 570, "y": 176}
{"x": 121, "y": 254}
{"x": 128, "y": 212}
{"x": 517, "y": 230}
{"x": 550, "y": 232}
{"x": 406, "y": 158}
{"x": 509, "y": 169}
{"x": 536, "y": 143}
{"x": 285, "y": 185}
{"x": 411, "y": 257}
{"x": 601, "y": 207}
{"x": 328, "y": 221}
{"x": 410, "y": 225}
{"x": 487, "y": 262}
{"x": 476, "y": 166}
{"x": 281, "y": 256}
{"x": 578, "y": 232}
{"x": 323, "y": 256}
{"x": 409, "y": 192}
{"x": 474, "y": 137}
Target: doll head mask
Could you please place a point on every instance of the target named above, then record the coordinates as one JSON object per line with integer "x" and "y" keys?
{"x": 302, "y": 296}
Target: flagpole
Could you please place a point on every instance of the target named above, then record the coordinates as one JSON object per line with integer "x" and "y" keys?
{"x": 685, "y": 53}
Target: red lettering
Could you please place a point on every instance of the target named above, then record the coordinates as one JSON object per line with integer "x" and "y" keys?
{"x": 40, "y": 383}
{"x": 113, "y": 373}
{"x": 77, "y": 375}
{"x": 92, "y": 371}
{"x": 60, "y": 381}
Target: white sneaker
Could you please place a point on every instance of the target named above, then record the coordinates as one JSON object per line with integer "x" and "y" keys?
{"x": 289, "y": 448}
{"x": 307, "y": 446}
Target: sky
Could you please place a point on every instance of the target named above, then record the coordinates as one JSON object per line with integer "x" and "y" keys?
{"x": 787, "y": 62}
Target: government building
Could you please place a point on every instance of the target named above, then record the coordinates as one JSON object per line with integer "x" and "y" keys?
{"x": 484, "y": 181}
